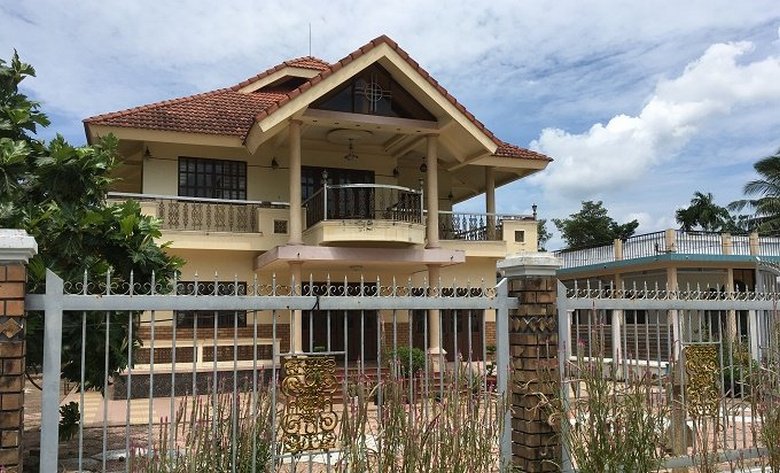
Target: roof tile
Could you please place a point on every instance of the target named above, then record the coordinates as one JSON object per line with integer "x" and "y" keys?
{"x": 228, "y": 112}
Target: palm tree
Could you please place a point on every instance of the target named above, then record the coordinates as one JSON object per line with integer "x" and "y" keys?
{"x": 766, "y": 192}
{"x": 703, "y": 213}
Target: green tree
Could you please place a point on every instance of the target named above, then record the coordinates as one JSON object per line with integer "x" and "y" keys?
{"x": 592, "y": 226}
{"x": 57, "y": 193}
{"x": 704, "y": 214}
{"x": 764, "y": 193}
{"x": 542, "y": 234}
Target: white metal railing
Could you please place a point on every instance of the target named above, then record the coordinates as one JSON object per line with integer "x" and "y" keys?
{"x": 362, "y": 350}
{"x": 683, "y": 242}
{"x": 201, "y": 213}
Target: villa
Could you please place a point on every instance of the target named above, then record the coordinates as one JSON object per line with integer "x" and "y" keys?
{"x": 312, "y": 172}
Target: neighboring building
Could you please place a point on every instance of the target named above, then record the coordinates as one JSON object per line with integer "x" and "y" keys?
{"x": 237, "y": 176}
{"x": 721, "y": 265}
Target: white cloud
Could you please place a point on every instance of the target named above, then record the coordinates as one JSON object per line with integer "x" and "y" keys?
{"x": 627, "y": 147}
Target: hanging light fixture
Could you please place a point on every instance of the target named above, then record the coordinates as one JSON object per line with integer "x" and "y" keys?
{"x": 350, "y": 156}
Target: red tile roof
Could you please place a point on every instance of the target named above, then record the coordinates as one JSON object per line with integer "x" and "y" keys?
{"x": 228, "y": 112}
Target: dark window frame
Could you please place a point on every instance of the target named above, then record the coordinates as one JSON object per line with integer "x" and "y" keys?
{"x": 212, "y": 178}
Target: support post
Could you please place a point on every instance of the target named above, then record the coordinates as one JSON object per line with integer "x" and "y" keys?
{"x": 435, "y": 350}
{"x": 490, "y": 202}
{"x": 16, "y": 247}
{"x": 537, "y": 352}
{"x": 296, "y": 212}
{"x": 296, "y": 337}
{"x": 432, "y": 193}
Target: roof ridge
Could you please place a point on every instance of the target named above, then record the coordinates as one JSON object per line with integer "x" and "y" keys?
{"x": 276, "y": 68}
{"x": 152, "y": 105}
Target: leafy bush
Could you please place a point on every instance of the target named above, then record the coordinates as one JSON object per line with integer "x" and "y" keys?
{"x": 70, "y": 416}
{"x": 409, "y": 360}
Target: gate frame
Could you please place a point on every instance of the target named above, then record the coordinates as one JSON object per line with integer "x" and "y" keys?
{"x": 54, "y": 302}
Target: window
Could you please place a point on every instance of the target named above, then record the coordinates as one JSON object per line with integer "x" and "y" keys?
{"x": 373, "y": 91}
{"x": 212, "y": 178}
{"x": 519, "y": 236}
{"x": 205, "y": 318}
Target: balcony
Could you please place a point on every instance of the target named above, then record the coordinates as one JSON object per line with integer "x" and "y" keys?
{"x": 225, "y": 224}
{"x": 488, "y": 234}
{"x": 364, "y": 213}
{"x": 672, "y": 242}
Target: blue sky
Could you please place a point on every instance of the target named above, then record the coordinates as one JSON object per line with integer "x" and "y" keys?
{"x": 640, "y": 103}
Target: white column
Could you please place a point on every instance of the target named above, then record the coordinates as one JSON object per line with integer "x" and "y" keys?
{"x": 731, "y": 318}
{"x": 617, "y": 339}
{"x": 673, "y": 315}
{"x": 490, "y": 201}
{"x": 432, "y": 192}
{"x": 296, "y": 214}
{"x": 434, "y": 330}
{"x": 296, "y": 317}
{"x": 754, "y": 335}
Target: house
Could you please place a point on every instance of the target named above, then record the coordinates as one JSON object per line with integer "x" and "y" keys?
{"x": 314, "y": 171}
{"x": 701, "y": 264}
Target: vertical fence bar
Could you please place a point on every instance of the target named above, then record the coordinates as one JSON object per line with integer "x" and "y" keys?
{"x": 52, "y": 352}
{"x": 503, "y": 371}
{"x": 563, "y": 357}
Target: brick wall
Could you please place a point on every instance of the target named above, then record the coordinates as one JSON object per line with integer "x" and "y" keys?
{"x": 533, "y": 345}
{"x": 12, "y": 350}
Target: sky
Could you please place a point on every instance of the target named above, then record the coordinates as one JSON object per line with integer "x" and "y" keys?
{"x": 640, "y": 103}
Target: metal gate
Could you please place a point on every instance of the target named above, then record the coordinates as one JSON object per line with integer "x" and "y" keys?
{"x": 265, "y": 376}
{"x": 699, "y": 357}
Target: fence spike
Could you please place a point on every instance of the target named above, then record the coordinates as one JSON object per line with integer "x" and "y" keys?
{"x": 254, "y": 286}
{"x": 196, "y": 283}
{"x": 378, "y": 291}
{"x": 311, "y": 284}
{"x": 86, "y": 284}
{"x": 393, "y": 291}
{"x": 215, "y": 292}
{"x": 176, "y": 282}
{"x": 273, "y": 284}
{"x": 235, "y": 284}
{"x": 362, "y": 285}
{"x": 132, "y": 281}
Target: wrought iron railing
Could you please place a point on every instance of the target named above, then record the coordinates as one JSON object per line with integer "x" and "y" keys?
{"x": 648, "y": 244}
{"x": 364, "y": 202}
{"x": 469, "y": 226}
{"x": 204, "y": 214}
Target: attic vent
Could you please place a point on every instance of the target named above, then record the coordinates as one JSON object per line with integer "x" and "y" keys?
{"x": 284, "y": 84}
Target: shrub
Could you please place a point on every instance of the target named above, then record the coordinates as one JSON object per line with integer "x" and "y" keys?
{"x": 409, "y": 360}
{"x": 70, "y": 416}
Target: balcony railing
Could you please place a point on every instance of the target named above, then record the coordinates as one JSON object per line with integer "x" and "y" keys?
{"x": 672, "y": 241}
{"x": 203, "y": 214}
{"x": 474, "y": 226}
{"x": 364, "y": 202}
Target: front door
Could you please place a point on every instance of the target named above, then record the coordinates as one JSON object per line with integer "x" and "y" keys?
{"x": 320, "y": 329}
{"x": 457, "y": 339}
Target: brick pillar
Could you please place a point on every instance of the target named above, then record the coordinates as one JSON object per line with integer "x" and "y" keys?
{"x": 16, "y": 247}
{"x": 533, "y": 351}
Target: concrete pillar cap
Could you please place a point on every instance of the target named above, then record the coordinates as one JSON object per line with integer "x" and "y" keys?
{"x": 16, "y": 246}
{"x": 529, "y": 264}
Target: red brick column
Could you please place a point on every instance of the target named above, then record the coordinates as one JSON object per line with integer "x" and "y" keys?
{"x": 15, "y": 248}
{"x": 533, "y": 352}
